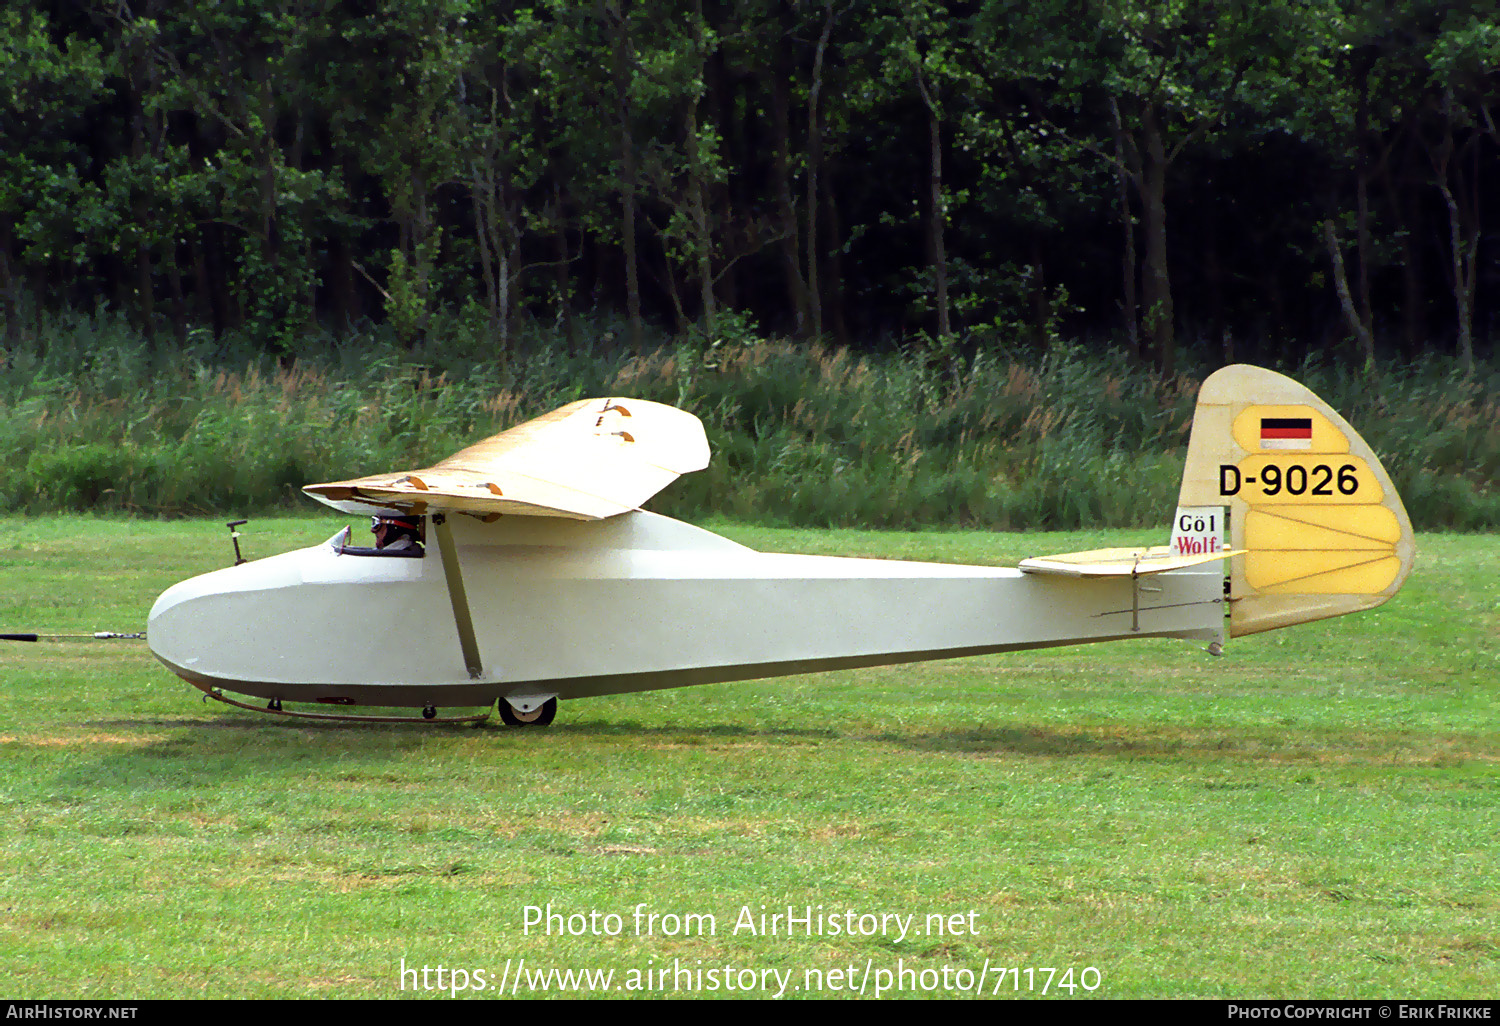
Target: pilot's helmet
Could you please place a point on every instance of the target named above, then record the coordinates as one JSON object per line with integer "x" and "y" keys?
{"x": 400, "y": 524}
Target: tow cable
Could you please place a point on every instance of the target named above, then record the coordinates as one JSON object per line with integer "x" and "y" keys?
{"x": 97, "y": 635}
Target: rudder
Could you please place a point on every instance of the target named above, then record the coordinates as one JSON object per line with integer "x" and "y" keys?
{"x": 1324, "y": 531}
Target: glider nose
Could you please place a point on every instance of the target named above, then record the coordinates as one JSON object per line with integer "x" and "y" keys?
{"x": 170, "y": 628}
{"x": 200, "y": 626}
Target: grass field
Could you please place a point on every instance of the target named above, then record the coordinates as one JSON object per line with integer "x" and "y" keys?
{"x": 1313, "y": 815}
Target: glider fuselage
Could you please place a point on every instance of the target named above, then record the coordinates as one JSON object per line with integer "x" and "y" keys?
{"x": 632, "y": 603}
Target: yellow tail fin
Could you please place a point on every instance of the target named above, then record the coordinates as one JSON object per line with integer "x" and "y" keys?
{"x": 1324, "y": 531}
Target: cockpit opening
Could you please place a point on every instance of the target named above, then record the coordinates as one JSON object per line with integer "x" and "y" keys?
{"x": 398, "y": 536}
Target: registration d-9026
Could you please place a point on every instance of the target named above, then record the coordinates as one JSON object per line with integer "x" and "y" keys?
{"x": 1304, "y": 479}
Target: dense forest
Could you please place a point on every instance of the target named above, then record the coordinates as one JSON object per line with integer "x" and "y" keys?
{"x": 1262, "y": 180}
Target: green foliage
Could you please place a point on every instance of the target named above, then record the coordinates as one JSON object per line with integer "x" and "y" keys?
{"x": 98, "y": 420}
{"x": 407, "y": 308}
{"x": 867, "y": 170}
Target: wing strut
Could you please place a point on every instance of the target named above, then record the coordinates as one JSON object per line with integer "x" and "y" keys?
{"x": 461, "y": 618}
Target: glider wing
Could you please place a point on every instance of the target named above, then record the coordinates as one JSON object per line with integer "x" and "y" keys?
{"x": 591, "y": 459}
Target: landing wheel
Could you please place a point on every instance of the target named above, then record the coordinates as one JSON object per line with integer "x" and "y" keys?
{"x": 274, "y": 705}
{"x": 429, "y": 713}
{"x": 538, "y": 717}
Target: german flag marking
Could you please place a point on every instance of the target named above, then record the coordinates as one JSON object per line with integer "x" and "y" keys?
{"x": 1286, "y": 432}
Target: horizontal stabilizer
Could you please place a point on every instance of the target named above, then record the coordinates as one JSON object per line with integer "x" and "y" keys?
{"x": 1119, "y": 562}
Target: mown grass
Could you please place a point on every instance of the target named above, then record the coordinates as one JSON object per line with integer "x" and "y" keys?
{"x": 95, "y": 419}
{"x": 1312, "y": 815}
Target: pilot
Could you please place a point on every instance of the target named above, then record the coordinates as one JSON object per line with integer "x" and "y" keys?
{"x": 397, "y": 534}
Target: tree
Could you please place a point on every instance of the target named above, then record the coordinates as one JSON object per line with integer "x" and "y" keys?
{"x": 501, "y": 77}
{"x": 45, "y": 205}
{"x": 1149, "y": 80}
{"x": 918, "y": 52}
{"x": 1464, "y": 74}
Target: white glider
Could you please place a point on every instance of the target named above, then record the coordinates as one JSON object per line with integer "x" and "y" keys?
{"x": 542, "y": 579}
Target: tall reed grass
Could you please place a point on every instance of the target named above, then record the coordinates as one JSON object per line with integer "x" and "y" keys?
{"x": 93, "y": 418}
